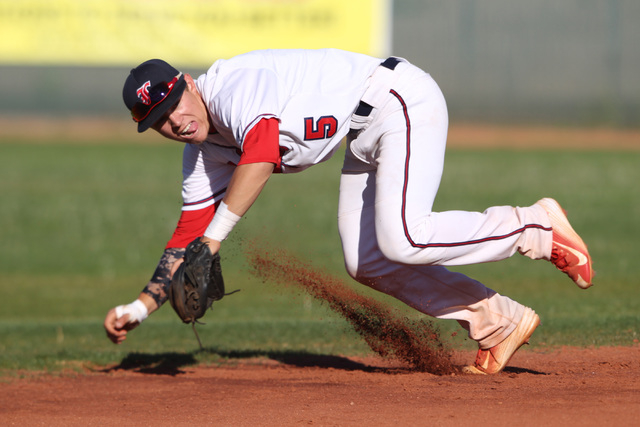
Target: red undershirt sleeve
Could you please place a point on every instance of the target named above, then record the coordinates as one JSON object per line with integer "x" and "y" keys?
{"x": 262, "y": 143}
{"x": 192, "y": 224}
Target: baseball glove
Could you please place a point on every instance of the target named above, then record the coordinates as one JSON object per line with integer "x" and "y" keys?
{"x": 197, "y": 283}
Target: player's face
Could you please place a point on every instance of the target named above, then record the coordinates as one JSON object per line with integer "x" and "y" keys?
{"x": 188, "y": 120}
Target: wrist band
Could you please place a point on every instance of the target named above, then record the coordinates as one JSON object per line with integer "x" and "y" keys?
{"x": 137, "y": 311}
{"x": 223, "y": 222}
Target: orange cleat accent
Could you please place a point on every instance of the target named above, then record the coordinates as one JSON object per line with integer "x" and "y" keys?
{"x": 494, "y": 359}
{"x": 569, "y": 253}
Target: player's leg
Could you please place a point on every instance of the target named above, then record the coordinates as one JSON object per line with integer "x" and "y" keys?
{"x": 409, "y": 157}
{"x": 488, "y": 316}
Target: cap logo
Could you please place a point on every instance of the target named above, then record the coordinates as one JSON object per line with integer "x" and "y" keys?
{"x": 143, "y": 93}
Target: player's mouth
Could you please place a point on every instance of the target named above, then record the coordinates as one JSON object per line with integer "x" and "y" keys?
{"x": 189, "y": 130}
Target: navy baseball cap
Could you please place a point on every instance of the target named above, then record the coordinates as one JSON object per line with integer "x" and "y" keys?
{"x": 150, "y": 90}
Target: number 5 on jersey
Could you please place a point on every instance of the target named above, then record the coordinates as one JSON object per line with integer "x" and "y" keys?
{"x": 323, "y": 128}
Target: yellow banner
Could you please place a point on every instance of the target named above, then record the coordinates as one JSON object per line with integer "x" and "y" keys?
{"x": 186, "y": 33}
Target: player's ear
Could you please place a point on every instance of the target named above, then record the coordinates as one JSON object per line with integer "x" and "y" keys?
{"x": 191, "y": 84}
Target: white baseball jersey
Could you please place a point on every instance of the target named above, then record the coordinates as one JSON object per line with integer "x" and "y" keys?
{"x": 313, "y": 94}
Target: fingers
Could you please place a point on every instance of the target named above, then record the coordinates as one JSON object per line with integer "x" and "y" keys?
{"x": 116, "y": 328}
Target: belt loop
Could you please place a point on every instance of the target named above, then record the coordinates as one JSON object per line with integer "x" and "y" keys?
{"x": 390, "y": 63}
{"x": 365, "y": 109}
{"x": 360, "y": 118}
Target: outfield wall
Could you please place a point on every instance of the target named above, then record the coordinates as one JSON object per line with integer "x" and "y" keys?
{"x": 574, "y": 62}
{"x": 554, "y": 61}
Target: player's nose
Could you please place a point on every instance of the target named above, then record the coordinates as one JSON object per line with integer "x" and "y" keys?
{"x": 174, "y": 121}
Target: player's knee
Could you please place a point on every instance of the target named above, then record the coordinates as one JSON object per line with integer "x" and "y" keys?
{"x": 403, "y": 252}
{"x": 394, "y": 245}
{"x": 394, "y": 252}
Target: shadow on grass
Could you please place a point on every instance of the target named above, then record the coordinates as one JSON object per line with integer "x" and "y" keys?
{"x": 174, "y": 363}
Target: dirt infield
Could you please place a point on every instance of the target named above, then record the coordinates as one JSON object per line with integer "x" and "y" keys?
{"x": 565, "y": 387}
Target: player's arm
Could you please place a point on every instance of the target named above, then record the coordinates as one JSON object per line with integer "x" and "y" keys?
{"x": 260, "y": 156}
{"x": 246, "y": 185}
{"x": 156, "y": 292}
{"x": 121, "y": 319}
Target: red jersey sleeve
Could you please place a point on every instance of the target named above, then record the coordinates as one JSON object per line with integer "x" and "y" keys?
{"x": 192, "y": 224}
{"x": 262, "y": 143}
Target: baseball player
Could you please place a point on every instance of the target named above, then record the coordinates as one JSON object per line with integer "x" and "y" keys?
{"x": 282, "y": 111}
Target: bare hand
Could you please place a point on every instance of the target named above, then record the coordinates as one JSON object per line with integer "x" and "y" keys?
{"x": 117, "y": 328}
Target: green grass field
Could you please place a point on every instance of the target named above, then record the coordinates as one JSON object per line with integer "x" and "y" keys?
{"x": 82, "y": 228}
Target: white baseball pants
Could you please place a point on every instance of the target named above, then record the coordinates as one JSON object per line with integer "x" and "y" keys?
{"x": 394, "y": 243}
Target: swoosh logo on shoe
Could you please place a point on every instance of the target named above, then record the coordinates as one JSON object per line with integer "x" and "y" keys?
{"x": 582, "y": 258}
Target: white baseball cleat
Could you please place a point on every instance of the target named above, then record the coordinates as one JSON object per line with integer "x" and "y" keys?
{"x": 494, "y": 359}
{"x": 569, "y": 253}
